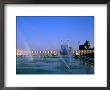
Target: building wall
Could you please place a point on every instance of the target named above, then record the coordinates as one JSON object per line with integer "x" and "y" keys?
{"x": 35, "y": 52}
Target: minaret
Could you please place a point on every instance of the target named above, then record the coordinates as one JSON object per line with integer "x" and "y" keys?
{"x": 68, "y": 43}
{"x": 61, "y": 47}
{"x": 78, "y": 43}
{"x": 61, "y": 42}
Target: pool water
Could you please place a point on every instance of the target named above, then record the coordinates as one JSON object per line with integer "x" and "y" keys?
{"x": 38, "y": 65}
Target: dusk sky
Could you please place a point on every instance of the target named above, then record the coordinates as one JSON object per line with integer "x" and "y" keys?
{"x": 46, "y": 32}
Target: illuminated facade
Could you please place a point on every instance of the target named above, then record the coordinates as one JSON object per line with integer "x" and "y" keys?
{"x": 20, "y": 52}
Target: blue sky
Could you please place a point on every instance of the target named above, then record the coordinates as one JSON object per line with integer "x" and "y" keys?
{"x": 46, "y": 32}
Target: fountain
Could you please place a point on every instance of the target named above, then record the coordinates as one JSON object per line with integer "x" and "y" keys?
{"x": 29, "y": 57}
{"x": 66, "y": 51}
{"x": 69, "y": 53}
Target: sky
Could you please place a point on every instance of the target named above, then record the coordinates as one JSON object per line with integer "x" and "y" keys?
{"x": 46, "y": 32}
